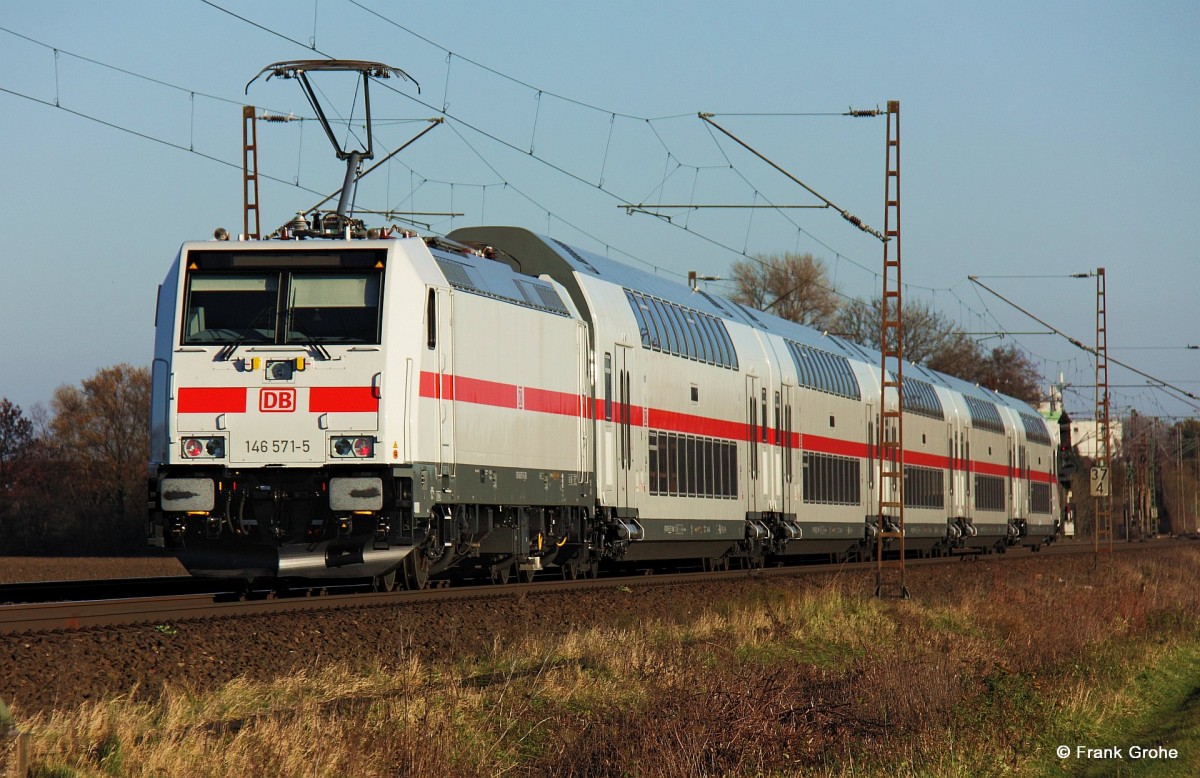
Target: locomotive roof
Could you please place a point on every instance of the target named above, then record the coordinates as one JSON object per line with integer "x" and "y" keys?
{"x": 477, "y": 275}
{"x": 538, "y": 254}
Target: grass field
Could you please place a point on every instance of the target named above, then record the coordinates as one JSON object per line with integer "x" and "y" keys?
{"x": 989, "y": 677}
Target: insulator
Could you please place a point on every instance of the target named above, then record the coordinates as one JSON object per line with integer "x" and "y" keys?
{"x": 298, "y": 224}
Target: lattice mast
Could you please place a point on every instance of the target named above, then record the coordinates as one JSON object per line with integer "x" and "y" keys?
{"x": 250, "y": 224}
{"x": 1103, "y": 499}
{"x": 890, "y": 433}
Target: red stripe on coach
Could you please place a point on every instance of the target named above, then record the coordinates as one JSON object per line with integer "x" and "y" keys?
{"x": 549, "y": 401}
{"x": 212, "y": 399}
{"x": 342, "y": 399}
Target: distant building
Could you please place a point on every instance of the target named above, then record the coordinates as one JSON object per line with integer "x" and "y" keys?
{"x": 1084, "y": 432}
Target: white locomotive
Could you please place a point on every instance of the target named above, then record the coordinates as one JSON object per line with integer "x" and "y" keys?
{"x": 498, "y": 403}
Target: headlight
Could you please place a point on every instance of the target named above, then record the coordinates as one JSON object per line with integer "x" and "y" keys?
{"x": 204, "y": 448}
{"x": 360, "y": 448}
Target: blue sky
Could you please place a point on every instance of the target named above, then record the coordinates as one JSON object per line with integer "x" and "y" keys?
{"x": 1037, "y": 139}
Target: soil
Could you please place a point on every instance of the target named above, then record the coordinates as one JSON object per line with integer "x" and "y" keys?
{"x": 17, "y": 569}
{"x": 41, "y": 672}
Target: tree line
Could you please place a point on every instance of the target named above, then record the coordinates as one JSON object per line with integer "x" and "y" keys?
{"x": 797, "y": 287}
{"x": 73, "y": 476}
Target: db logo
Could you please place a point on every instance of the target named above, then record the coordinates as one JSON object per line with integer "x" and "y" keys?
{"x": 277, "y": 400}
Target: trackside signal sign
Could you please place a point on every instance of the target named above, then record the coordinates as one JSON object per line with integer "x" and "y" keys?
{"x": 1100, "y": 482}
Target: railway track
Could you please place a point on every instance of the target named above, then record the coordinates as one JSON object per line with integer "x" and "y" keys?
{"x": 210, "y": 599}
{"x": 106, "y": 589}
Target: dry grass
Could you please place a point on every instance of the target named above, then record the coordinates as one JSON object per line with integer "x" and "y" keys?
{"x": 979, "y": 679}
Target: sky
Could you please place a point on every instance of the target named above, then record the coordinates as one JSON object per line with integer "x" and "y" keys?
{"x": 1037, "y": 141}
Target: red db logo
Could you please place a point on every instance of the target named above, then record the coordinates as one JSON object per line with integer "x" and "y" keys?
{"x": 277, "y": 400}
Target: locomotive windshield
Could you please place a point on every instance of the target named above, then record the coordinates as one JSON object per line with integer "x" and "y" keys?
{"x": 282, "y": 307}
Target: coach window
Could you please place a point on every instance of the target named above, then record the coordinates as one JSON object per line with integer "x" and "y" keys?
{"x": 703, "y": 353}
{"x": 670, "y": 338}
{"x": 682, "y": 344}
{"x": 643, "y": 328}
{"x": 778, "y": 419}
{"x": 753, "y": 437}
{"x": 709, "y": 468}
{"x": 717, "y": 348}
{"x": 810, "y": 368}
{"x": 431, "y": 320}
{"x": 652, "y": 460}
{"x": 710, "y": 328}
{"x": 664, "y": 463}
{"x": 652, "y": 324}
{"x": 685, "y": 340}
{"x": 607, "y": 386}
{"x": 731, "y": 360}
{"x": 665, "y": 326}
{"x": 765, "y": 423}
{"x": 692, "y": 463}
{"x": 657, "y": 340}
{"x": 689, "y": 338}
{"x": 787, "y": 431}
{"x": 828, "y": 382}
{"x": 707, "y": 353}
{"x": 689, "y": 326}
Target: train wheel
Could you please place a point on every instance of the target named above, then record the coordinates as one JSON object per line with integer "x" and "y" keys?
{"x": 385, "y": 582}
{"x": 416, "y": 571}
{"x": 526, "y": 576}
{"x": 501, "y": 573}
{"x": 570, "y": 571}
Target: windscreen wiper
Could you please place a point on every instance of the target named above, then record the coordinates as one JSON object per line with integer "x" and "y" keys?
{"x": 225, "y": 354}
{"x": 312, "y": 343}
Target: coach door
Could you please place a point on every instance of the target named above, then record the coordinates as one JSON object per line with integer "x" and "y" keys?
{"x": 627, "y": 418}
{"x": 783, "y": 427}
{"x": 872, "y": 464}
{"x": 756, "y": 428}
{"x": 954, "y": 478}
{"x": 965, "y": 434}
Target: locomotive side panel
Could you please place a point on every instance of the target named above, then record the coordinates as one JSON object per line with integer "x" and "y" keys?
{"x": 514, "y": 390}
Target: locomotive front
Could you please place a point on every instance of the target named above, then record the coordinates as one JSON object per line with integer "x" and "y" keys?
{"x": 268, "y": 409}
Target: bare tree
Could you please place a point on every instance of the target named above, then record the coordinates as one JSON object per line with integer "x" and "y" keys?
{"x": 795, "y": 287}
{"x": 100, "y": 433}
{"x": 1009, "y": 370}
{"x": 16, "y": 434}
{"x": 927, "y": 333}
{"x": 932, "y": 339}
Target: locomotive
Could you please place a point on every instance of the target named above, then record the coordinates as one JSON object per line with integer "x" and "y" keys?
{"x": 497, "y": 403}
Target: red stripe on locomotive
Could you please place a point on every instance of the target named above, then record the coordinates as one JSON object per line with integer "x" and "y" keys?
{"x": 212, "y": 399}
{"x": 342, "y": 399}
